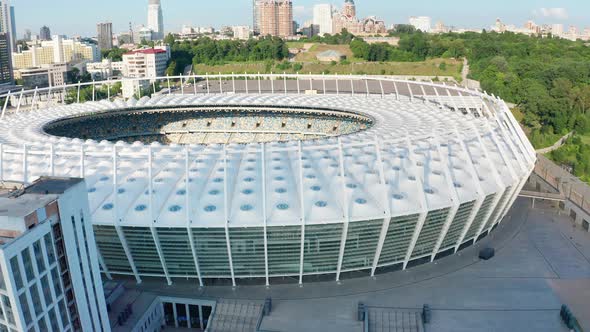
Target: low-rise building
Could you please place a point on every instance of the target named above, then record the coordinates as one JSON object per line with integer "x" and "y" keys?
{"x": 241, "y": 32}
{"x": 145, "y": 63}
{"x": 105, "y": 69}
{"x": 43, "y": 76}
{"x": 57, "y": 50}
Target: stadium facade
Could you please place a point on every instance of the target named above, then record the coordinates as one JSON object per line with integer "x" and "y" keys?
{"x": 254, "y": 184}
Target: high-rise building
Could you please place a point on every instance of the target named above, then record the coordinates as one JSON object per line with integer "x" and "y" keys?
{"x": 58, "y": 49}
{"x": 45, "y": 33}
{"x": 557, "y": 30}
{"x": 105, "y": 35}
{"x": 7, "y": 23}
{"x": 255, "y": 17}
{"x": 156, "y": 19}
{"x": 48, "y": 259}
{"x": 6, "y": 74}
{"x": 27, "y": 36}
{"x": 422, "y": 23}
{"x": 349, "y": 8}
{"x": 55, "y": 51}
{"x": 322, "y": 17}
{"x": 276, "y": 17}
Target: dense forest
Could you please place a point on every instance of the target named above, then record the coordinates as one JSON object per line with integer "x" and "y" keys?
{"x": 208, "y": 51}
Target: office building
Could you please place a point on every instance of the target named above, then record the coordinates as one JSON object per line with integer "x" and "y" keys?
{"x": 557, "y": 30}
{"x": 276, "y": 18}
{"x": 7, "y": 23}
{"x": 48, "y": 259}
{"x": 322, "y": 17}
{"x": 105, "y": 69}
{"x": 156, "y": 19}
{"x": 105, "y": 35}
{"x": 49, "y": 75}
{"x": 6, "y": 74}
{"x": 55, "y": 51}
{"x": 422, "y": 23}
{"x": 45, "y": 33}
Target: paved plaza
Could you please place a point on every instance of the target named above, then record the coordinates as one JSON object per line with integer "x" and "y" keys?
{"x": 541, "y": 261}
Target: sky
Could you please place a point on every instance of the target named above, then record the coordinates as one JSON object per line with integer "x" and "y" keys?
{"x": 79, "y": 17}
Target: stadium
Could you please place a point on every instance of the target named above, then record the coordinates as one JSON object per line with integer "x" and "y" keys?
{"x": 278, "y": 184}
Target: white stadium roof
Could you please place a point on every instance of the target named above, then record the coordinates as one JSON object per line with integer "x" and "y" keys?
{"x": 417, "y": 156}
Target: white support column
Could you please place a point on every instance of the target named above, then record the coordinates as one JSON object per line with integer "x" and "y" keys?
{"x": 175, "y": 315}
{"x": 298, "y": 85}
{"x": 423, "y": 92}
{"x": 49, "y": 95}
{"x": 181, "y": 85}
{"x": 188, "y": 316}
{"x": 337, "y": 85}
{"x": 93, "y": 91}
{"x": 108, "y": 91}
{"x": 226, "y": 216}
{"x": 102, "y": 264}
{"x": 382, "y": 90}
{"x": 438, "y": 98}
{"x": 452, "y": 100}
{"x": 127, "y": 252}
{"x": 220, "y": 84}
{"x": 20, "y": 98}
{"x": 5, "y": 106}
{"x": 259, "y": 85}
{"x": 151, "y": 185}
{"x": 454, "y": 201}
{"x": 82, "y": 166}
{"x": 168, "y": 82}
{"x": 324, "y": 82}
{"x": 188, "y": 208}
{"x": 25, "y": 165}
{"x": 78, "y": 97}
{"x": 63, "y": 95}
{"x": 115, "y": 184}
{"x": 34, "y": 98}
{"x": 424, "y": 206}
{"x": 345, "y": 206}
{"x": 285, "y": 81}
{"x": 367, "y": 86}
{"x": 264, "y": 213}
{"x": 272, "y": 84}
{"x": 246, "y": 81}
{"x": 160, "y": 253}
{"x": 233, "y": 83}
{"x": 396, "y": 91}
{"x": 411, "y": 92}
{"x": 386, "y": 206}
{"x": 301, "y": 211}
{"x": 310, "y": 82}
{"x": 201, "y": 317}
{"x": 352, "y": 87}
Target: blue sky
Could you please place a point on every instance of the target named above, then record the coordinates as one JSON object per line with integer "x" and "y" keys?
{"x": 80, "y": 16}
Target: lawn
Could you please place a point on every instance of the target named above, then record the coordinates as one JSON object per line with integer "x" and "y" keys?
{"x": 311, "y": 55}
{"x": 429, "y": 67}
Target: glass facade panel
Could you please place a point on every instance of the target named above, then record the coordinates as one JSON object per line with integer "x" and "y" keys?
{"x": 479, "y": 217}
{"x": 143, "y": 250}
{"x": 177, "y": 251}
{"x": 63, "y": 313}
{"x": 8, "y": 309}
{"x": 247, "y": 251}
{"x": 284, "y": 250}
{"x": 37, "y": 305}
{"x": 15, "y": 267}
{"x": 454, "y": 232}
{"x": 53, "y": 320}
{"x": 498, "y": 209}
{"x": 435, "y": 220}
{"x": 42, "y": 324}
{"x": 2, "y": 282}
{"x": 28, "y": 264}
{"x": 24, "y": 305}
{"x": 49, "y": 248}
{"x": 397, "y": 240}
{"x": 39, "y": 256}
{"x": 46, "y": 290}
{"x": 322, "y": 248}
{"x": 111, "y": 249}
{"x": 361, "y": 244}
{"x": 56, "y": 283}
{"x": 211, "y": 247}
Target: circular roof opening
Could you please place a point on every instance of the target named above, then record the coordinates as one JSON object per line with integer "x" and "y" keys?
{"x": 283, "y": 206}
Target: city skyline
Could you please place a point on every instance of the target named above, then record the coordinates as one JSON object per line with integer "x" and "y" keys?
{"x": 484, "y": 15}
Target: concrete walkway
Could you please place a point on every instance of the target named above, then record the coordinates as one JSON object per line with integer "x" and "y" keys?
{"x": 557, "y": 144}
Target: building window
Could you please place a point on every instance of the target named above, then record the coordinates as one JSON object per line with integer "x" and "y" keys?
{"x": 46, "y": 290}
{"x": 586, "y": 225}
{"x": 56, "y": 284}
{"x": 42, "y": 324}
{"x": 8, "y": 308}
{"x": 15, "y": 266}
{"x": 26, "y": 255}
{"x": 24, "y": 304}
{"x": 63, "y": 313}
{"x": 36, "y": 299}
{"x": 53, "y": 320}
{"x": 49, "y": 248}
{"x": 39, "y": 256}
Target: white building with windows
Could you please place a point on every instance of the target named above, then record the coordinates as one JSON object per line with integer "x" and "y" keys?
{"x": 145, "y": 63}
{"x": 241, "y": 32}
{"x": 322, "y": 17}
{"x": 422, "y": 23}
{"x": 50, "y": 278}
{"x": 156, "y": 19}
